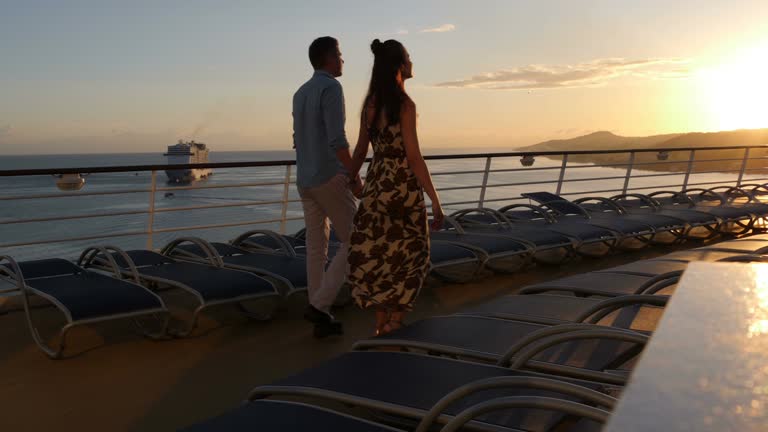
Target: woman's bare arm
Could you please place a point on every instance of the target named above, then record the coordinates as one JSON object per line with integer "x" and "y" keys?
{"x": 361, "y": 149}
{"x": 413, "y": 152}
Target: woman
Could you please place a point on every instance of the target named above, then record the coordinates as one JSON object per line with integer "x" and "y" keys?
{"x": 389, "y": 246}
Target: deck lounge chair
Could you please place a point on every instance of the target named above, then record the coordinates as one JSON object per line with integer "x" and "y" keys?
{"x": 278, "y": 261}
{"x": 734, "y": 220}
{"x": 503, "y": 341}
{"x": 283, "y": 416}
{"x": 209, "y": 284}
{"x": 701, "y": 225}
{"x": 409, "y": 388}
{"x": 267, "y": 415}
{"x": 603, "y": 212}
{"x": 449, "y": 261}
{"x": 83, "y": 296}
{"x": 560, "y": 309}
{"x": 549, "y": 246}
{"x": 504, "y": 253}
{"x": 608, "y": 283}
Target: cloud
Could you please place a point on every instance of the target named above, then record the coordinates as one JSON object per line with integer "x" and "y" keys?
{"x": 441, "y": 29}
{"x": 5, "y": 130}
{"x": 591, "y": 73}
{"x": 401, "y": 32}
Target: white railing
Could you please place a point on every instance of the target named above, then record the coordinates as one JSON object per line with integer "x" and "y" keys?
{"x": 493, "y": 165}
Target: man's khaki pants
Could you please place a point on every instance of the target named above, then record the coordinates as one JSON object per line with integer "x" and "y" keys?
{"x": 332, "y": 200}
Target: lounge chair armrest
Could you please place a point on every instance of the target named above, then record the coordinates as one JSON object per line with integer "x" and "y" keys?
{"x": 543, "y": 334}
{"x": 95, "y": 256}
{"x": 755, "y": 188}
{"x": 609, "y": 333}
{"x": 10, "y": 269}
{"x": 612, "y": 205}
{"x": 731, "y": 193}
{"x": 212, "y": 255}
{"x": 660, "y": 286}
{"x": 650, "y": 202}
{"x": 594, "y": 314}
{"x": 497, "y": 216}
{"x": 702, "y": 193}
{"x": 536, "y": 209}
{"x": 746, "y": 258}
{"x": 530, "y": 402}
{"x": 285, "y": 247}
{"x": 674, "y": 194}
{"x": 454, "y": 224}
{"x": 430, "y": 418}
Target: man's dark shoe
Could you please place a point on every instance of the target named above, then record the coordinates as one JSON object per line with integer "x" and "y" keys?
{"x": 329, "y": 328}
{"x": 316, "y": 316}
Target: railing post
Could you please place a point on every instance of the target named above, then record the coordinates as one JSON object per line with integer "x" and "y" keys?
{"x": 743, "y": 166}
{"x": 629, "y": 172}
{"x": 691, "y": 158}
{"x": 485, "y": 181}
{"x": 286, "y": 187}
{"x": 562, "y": 175}
{"x": 151, "y": 218}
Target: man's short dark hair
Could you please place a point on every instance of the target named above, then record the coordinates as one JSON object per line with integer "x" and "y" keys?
{"x": 319, "y": 50}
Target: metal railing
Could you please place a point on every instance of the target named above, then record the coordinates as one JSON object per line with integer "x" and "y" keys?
{"x": 560, "y": 164}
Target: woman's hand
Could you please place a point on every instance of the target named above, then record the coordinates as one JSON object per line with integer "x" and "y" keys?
{"x": 437, "y": 216}
{"x": 356, "y": 184}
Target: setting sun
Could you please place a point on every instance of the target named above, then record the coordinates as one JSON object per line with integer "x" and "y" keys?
{"x": 737, "y": 89}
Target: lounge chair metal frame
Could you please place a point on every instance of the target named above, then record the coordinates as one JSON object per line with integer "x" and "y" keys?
{"x": 436, "y": 414}
{"x": 654, "y": 206}
{"x": 526, "y": 255}
{"x": 733, "y": 224}
{"x": 645, "y": 236}
{"x": 95, "y": 259}
{"x": 591, "y": 315}
{"x": 241, "y": 242}
{"x": 506, "y": 228}
{"x": 11, "y": 272}
{"x": 653, "y": 285}
{"x": 526, "y": 348}
{"x": 611, "y": 242}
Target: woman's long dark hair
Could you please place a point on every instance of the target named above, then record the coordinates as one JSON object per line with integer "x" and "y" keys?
{"x": 384, "y": 91}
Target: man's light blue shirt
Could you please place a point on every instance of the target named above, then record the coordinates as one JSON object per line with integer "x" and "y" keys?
{"x": 318, "y": 130}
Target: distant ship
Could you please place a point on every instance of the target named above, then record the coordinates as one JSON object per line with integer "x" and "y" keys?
{"x": 187, "y": 153}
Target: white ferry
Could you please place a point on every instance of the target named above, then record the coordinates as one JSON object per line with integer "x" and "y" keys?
{"x": 185, "y": 153}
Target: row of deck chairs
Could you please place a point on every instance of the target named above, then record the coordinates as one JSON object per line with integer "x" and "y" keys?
{"x": 553, "y": 357}
{"x": 266, "y": 267}
{"x": 255, "y": 272}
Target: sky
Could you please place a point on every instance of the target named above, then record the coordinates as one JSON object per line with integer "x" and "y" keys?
{"x": 135, "y": 76}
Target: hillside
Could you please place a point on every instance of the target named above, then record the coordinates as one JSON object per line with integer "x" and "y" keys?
{"x": 677, "y": 160}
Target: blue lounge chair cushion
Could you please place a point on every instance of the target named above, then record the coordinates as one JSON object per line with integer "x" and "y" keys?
{"x": 294, "y": 269}
{"x": 211, "y": 283}
{"x": 651, "y": 267}
{"x": 93, "y": 295}
{"x": 493, "y": 244}
{"x": 281, "y": 416}
{"x": 443, "y": 252}
{"x": 419, "y": 381}
{"x": 47, "y": 268}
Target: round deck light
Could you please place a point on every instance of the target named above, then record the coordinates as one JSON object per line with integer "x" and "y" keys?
{"x": 527, "y": 160}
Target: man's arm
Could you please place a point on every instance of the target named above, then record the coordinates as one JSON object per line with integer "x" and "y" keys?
{"x": 334, "y": 117}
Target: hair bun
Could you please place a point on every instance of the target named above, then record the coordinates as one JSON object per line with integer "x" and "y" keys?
{"x": 376, "y": 46}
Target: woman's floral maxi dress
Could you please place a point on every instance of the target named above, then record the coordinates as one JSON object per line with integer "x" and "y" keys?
{"x": 389, "y": 247}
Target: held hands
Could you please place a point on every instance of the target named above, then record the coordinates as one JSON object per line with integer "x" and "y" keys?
{"x": 437, "y": 216}
{"x": 356, "y": 185}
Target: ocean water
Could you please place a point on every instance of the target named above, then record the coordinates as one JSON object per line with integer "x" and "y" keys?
{"x": 580, "y": 180}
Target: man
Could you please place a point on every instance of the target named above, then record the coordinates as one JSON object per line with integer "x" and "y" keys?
{"x": 327, "y": 191}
